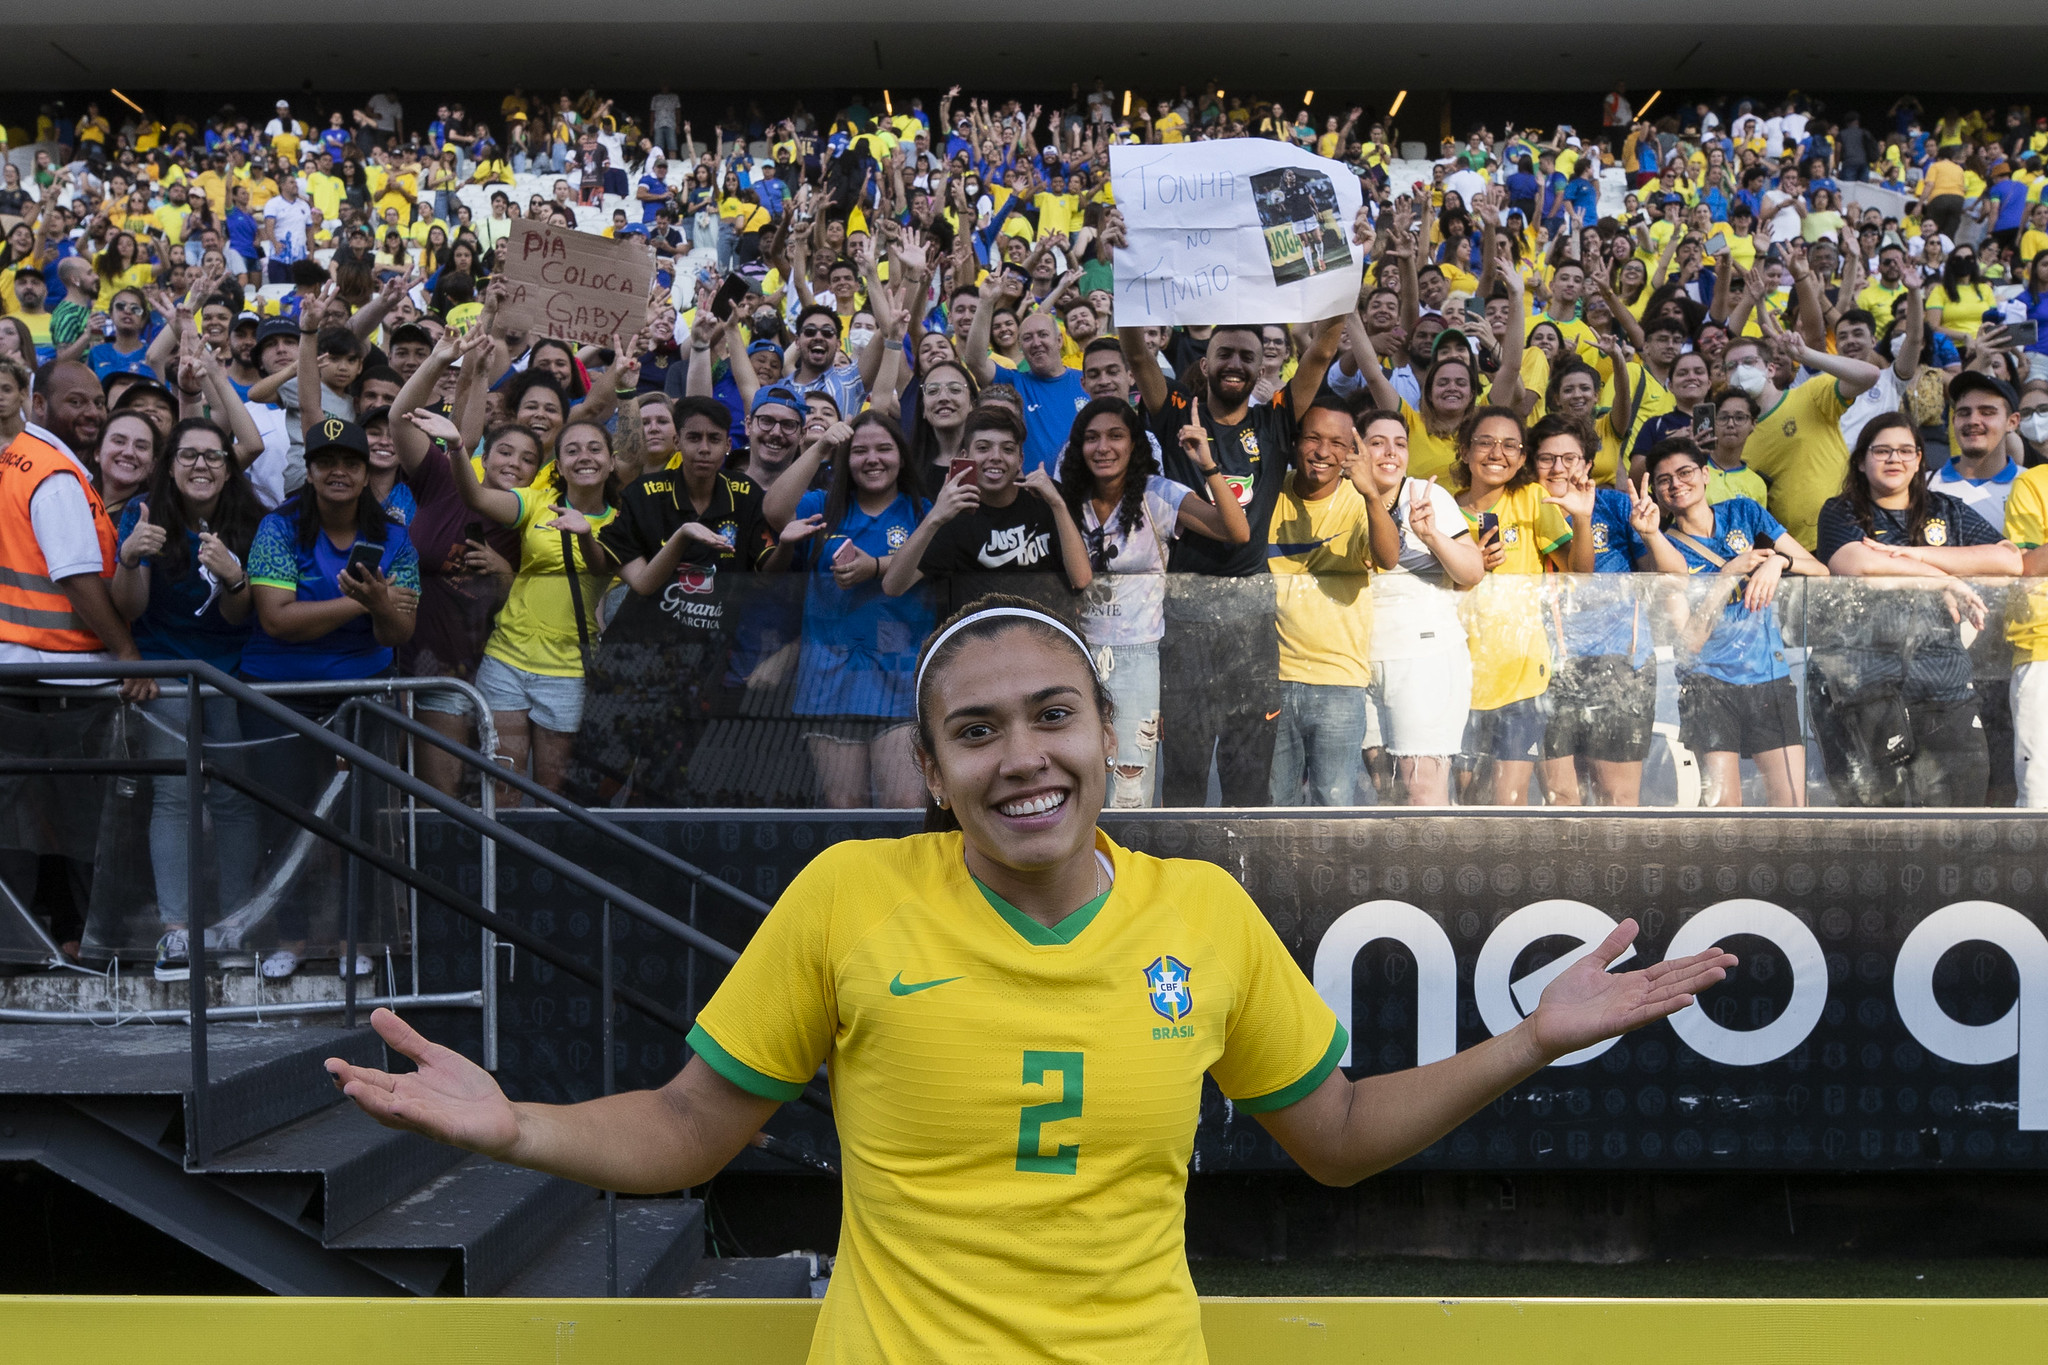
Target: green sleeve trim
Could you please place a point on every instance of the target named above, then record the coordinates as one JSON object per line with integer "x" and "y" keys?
{"x": 275, "y": 583}
{"x": 739, "y": 1073}
{"x": 1303, "y": 1088}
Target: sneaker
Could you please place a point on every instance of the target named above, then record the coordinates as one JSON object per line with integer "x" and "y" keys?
{"x": 279, "y": 965}
{"x": 173, "y": 956}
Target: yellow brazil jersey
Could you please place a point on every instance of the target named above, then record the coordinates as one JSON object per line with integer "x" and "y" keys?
{"x": 1320, "y": 554}
{"x": 1016, "y": 1104}
{"x": 1503, "y": 615}
{"x": 1428, "y": 454}
{"x": 1578, "y": 333}
{"x": 1739, "y": 482}
{"x": 536, "y": 630}
{"x": 2026, "y": 525}
{"x": 1797, "y": 449}
{"x": 2032, "y": 243}
{"x": 1879, "y": 299}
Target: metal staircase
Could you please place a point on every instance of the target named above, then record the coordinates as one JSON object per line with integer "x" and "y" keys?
{"x": 305, "y": 1195}
{"x": 231, "y": 1138}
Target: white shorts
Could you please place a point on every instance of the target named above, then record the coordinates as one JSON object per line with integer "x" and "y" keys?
{"x": 1419, "y": 705}
{"x": 2029, "y": 693}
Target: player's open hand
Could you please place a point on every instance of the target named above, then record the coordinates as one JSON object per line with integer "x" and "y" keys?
{"x": 1587, "y": 1004}
{"x": 449, "y": 1098}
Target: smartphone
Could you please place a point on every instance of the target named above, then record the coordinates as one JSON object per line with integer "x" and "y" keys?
{"x": 2023, "y": 333}
{"x": 1489, "y": 524}
{"x": 364, "y": 559}
{"x": 729, "y": 295}
{"x": 474, "y": 531}
{"x": 1717, "y": 244}
{"x": 958, "y": 468}
{"x": 1703, "y": 424}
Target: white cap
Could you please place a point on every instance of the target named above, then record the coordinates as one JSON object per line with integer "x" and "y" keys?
{"x": 284, "y": 104}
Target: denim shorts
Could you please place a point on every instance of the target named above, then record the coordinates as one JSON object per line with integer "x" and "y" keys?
{"x": 553, "y": 703}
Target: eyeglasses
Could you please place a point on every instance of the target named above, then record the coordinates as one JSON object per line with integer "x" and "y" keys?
{"x": 1890, "y": 453}
{"x": 211, "y": 456}
{"x": 1552, "y": 460}
{"x": 128, "y": 308}
{"x": 810, "y": 332}
{"x": 1685, "y": 473}
{"x": 1485, "y": 445}
{"x": 777, "y": 423}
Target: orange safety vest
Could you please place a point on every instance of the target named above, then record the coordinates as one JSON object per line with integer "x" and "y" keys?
{"x": 33, "y": 610}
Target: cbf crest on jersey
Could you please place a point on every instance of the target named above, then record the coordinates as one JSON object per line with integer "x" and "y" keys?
{"x": 1166, "y": 986}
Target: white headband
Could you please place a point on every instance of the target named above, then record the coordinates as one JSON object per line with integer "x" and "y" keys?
{"x": 1021, "y": 613}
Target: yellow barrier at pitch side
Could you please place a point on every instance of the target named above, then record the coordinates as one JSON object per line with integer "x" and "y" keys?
{"x": 258, "y": 1331}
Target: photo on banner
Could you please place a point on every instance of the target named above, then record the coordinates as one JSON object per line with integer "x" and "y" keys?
{"x": 1241, "y": 231}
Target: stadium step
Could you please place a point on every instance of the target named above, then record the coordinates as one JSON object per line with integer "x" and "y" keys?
{"x": 478, "y": 1223}
{"x": 332, "y": 1169}
{"x": 752, "y": 1277}
{"x": 660, "y": 1241}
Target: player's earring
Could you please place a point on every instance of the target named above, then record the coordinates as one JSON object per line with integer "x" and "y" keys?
{"x": 939, "y": 801}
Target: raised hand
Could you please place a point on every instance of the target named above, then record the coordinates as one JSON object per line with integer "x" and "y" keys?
{"x": 1194, "y": 438}
{"x": 449, "y": 1098}
{"x": 1040, "y": 482}
{"x": 1422, "y": 510}
{"x": 1577, "y": 501}
{"x": 802, "y": 528}
{"x": 1643, "y": 512}
{"x": 216, "y": 556}
{"x": 145, "y": 540}
{"x": 1587, "y": 1004}
{"x": 434, "y": 426}
{"x": 568, "y": 519}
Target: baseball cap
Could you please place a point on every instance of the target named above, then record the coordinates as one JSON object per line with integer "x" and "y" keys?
{"x": 764, "y": 344}
{"x": 380, "y": 413}
{"x": 284, "y": 104}
{"x": 776, "y": 394}
{"x": 335, "y": 434}
{"x": 1976, "y": 381}
{"x": 412, "y": 334}
{"x": 247, "y": 320}
{"x": 277, "y": 327}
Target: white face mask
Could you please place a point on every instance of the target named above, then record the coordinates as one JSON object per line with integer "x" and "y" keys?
{"x": 2034, "y": 426}
{"x": 1751, "y": 379}
{"x": 857, "y": 338}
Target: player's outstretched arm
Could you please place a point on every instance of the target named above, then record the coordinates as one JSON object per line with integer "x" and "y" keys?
{"x": 641, "y": 1142}
{"x": 1345, "y": 1130}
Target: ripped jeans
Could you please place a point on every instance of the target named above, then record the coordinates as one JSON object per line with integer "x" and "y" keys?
{"x": 1131, "y": 673}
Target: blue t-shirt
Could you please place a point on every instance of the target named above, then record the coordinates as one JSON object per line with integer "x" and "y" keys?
{"x": 277, "y": 560}
{"x": 650, "y": 207}
{"x": 242, "y": 230}
{"x": 860, "y": 644}
{"x": 336, "y": 141}
{"x": 1523, "y": 188}
{"x": 1049, "y": 408}
{"x": 2011, "y": 198}
{"x": 179, "y": 622}
{"x": 107, "y": 359}
{"x": 1609, "y": 618}
{"x": 1745, "y": 646}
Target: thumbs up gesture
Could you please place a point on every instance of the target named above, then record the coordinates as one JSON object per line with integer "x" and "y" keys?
{"x": 143, "y": 541}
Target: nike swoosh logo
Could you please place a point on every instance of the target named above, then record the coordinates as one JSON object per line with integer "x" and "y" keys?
{"x": 898, "y": 986}
{"x": 1272, "y": 715}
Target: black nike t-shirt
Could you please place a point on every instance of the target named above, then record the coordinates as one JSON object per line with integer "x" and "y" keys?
{"x": 1254, "y": 454}
{"x": 1019, "y": 538}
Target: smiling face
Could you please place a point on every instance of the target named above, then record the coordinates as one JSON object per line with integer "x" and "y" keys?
{"x": 127, "y": 451}
{"x": 540, "y": 412}
{"x": 584, "y": 457}
{"x": 1559, "y": 460}
{"x": 1386, "y": 452}
{"x": 1106, "y": 447}
{"x": 1496, "y": 454}
{"x": 998, "y": 460}
{"x": 1325, "y": 442}
{"x": 657, "y": 430}
{"x": 511, "y": 461}
{"x": 874, "y": 460}
{"x": 1234, "y": 357}
{"x": 1019, "y": 749}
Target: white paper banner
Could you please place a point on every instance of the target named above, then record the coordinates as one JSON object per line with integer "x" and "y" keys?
{"x": 1244, "y": 230}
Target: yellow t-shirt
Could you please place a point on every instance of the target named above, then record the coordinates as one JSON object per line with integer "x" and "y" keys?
{"x": 2026, "y": 525}
{"x": 171, "y": 218}
{"x": 2032, "y": 243}
{"x": 1578, "y": 334}
{"x": 1320, "y": 555}
{"x": 1879, "y": 299}
{"x": 1943, "y": 177}
{"x": 536, "y": 631}
{"x": 1739, "y": 482}
{"x": 1503, "y": 615}
{"x": 1963, "y": 311}
{"x": 326, "y": 192}
{"x": 1170, "y": 127}
{"x": 1797, "y": 449}
{"x": 1015, "y": 1104}
{"x": 138, "y": 276}
{"x": 1428, "y": 454}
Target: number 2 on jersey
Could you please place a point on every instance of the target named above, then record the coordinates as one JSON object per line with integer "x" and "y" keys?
{"x": 1038, "y": 1066}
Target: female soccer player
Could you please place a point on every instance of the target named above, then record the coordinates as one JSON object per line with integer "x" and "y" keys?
{"x": 1017, "y": 1014}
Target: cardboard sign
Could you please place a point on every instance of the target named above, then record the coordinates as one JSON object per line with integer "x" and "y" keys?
{"x": 1243, "y": 231}
{"x": 575, "y": 286}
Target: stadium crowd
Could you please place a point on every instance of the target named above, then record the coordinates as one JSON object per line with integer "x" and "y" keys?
{"x": 1589, "y": 377}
